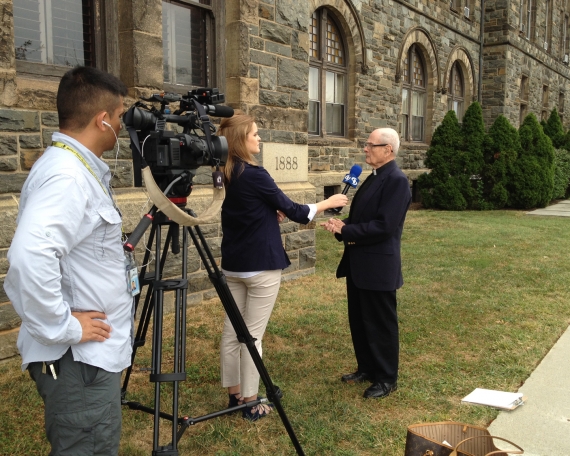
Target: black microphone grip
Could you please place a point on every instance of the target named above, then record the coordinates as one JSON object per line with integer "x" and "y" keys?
{"x": 139, "y": 231}
{"x": 344, "y": 192}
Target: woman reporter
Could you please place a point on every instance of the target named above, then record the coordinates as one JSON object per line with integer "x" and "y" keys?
{"x": 252, "y": 253}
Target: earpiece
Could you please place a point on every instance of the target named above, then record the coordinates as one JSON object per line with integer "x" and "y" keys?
{"x": 108, "y": 124}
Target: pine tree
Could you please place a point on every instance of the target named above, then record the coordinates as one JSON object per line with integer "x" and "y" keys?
{"x": 441, "y": 188}
{"x": 500, "y": 153}
{"x": 554, "y": 129}
{"x": 533, "y": 171}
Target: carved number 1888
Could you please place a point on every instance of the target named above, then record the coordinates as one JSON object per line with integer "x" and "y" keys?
{"x": 288, "y": 163}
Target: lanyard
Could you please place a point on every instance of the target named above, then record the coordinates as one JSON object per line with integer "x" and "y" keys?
{"x": 82, "y": 160}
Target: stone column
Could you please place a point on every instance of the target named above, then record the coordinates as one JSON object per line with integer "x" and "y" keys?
{"x": 140, "y": 44}
{"x": 8, "y": 94}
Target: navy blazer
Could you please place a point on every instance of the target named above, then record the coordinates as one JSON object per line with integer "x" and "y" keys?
{"x": 251, "y": 237}
{"x": 373, "y": 231}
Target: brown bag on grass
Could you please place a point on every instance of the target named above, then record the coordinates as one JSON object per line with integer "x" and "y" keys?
{"x": 427, "y": 439}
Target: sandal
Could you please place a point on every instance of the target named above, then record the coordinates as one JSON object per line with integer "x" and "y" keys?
{"x": 257, "y": 412}
{"x": 235, "y": 400}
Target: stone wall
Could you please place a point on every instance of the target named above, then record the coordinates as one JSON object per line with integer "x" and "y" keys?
{"x": 508, "y": 55}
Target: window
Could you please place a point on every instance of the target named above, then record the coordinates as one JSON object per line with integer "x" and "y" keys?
{"x": 563, "y": 34}
{"x": 561, "y": 106}
{"x": 57, "y": 32}
{"x": 187, "y": 42}
{"x": 565, "y": 39}
{"x": 528, "y": 18}
{"x": 523, "y": 96}
{"x": 456, "y": 91}
{"x": 461, "y": 6}
{"x": 548, "y": 31}
{"x": 327, "y": 77}
{"x": 413, "y": 97}
{"x": 544, "y": 115}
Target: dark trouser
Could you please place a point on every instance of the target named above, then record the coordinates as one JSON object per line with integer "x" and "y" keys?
{"x": 82, "y": 408}
{"x": 374, "y": 328}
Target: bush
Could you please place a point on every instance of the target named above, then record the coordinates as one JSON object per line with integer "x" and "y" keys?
{"x": 532, "y": 183}
{"x": 554, "y": 129}
{"x": 440, "y": 188}
{"x": 473, "y": 137}
{"x": 561, "y": 173}
{"x": 500, "y": 153}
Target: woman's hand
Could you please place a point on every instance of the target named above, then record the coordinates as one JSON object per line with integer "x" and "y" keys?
{"x": 338, "y": 200}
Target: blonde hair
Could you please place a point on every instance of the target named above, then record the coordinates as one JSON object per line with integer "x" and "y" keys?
{"x": 236, "y": 129}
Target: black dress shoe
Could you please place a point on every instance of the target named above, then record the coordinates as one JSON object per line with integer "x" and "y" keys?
{"x": 356, "y": 377}
{"x": 379, "y": 389}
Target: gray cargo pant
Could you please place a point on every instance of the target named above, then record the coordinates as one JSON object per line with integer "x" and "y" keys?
{"x": 82, "y": 407}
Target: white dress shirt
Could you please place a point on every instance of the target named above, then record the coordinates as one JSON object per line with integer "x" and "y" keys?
{"x": 67, "y": 256}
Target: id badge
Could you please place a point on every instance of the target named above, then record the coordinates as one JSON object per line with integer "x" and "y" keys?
{"x": 133, "y": 285}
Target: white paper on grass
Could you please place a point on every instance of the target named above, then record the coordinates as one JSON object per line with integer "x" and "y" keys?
{"x": 493, "y": 398}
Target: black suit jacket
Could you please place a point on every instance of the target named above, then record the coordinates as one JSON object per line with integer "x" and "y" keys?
{"x": 251, "y": 238}
{"x": 373, "y": 231}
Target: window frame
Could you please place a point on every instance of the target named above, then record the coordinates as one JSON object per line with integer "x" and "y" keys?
{"x": 410, "y": 87}
{"x": 106, "y": 45}
{"x": 451, "y": 97}
{"x": 548, "y": 26}
{"x": 545, "y": 101}
{"x": 214, "y": 69}
{"x": 561, "y": 103}
{"x": 322, "y": 65}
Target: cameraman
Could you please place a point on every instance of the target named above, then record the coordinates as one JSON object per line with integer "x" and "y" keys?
{"x": 252, "y": 253}
{"x": 67, "y": 275}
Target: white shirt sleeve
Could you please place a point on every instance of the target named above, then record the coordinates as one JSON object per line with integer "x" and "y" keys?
{"x": 312, "y": 211}
{"x": 49, "y": 226}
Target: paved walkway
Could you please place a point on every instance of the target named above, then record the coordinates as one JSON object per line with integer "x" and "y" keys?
{"x": 542, "y": 425}
{"x": 561, "y": 209}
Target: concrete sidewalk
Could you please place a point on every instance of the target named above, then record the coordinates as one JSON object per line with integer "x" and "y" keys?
{"x": 560, "y": 209}
{"x": 542, "y": 425}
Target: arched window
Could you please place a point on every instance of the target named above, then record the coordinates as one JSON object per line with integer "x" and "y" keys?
{"x": 456, "y": 91}
{"x": 327, "y": 77}
{"x": 413, "y": 96}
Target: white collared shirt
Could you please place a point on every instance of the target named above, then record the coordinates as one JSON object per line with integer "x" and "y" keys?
{"x": 67, "y": 256}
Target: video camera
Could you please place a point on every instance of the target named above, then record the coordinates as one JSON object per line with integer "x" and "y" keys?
{"x": 174, "y": 156}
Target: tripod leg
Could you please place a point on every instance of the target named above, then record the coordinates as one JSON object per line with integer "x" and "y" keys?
{"x": 243, "y": 334}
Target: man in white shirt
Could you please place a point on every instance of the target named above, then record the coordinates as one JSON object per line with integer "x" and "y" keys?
{"x": 67, "y": 278}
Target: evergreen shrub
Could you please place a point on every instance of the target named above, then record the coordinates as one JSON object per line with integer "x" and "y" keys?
{"x": 532, "y": 182}
{"x": 561, "y": 174}
{"x": 473, "y": 136}
{"x": 442, "y": 188}
{"x": 500, "y": 153}
{"x": 554, "y": 129}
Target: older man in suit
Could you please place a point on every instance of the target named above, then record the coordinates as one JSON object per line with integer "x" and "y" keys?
{"x": 372, "y": 265}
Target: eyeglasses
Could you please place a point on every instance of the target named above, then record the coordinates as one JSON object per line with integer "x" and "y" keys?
{"x": 370, "y": 145}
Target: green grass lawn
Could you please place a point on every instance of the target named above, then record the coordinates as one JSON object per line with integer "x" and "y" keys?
{"x": 485, "y": 297}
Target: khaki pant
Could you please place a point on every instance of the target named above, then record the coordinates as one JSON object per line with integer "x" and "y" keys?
{"x": 255, "y": 298}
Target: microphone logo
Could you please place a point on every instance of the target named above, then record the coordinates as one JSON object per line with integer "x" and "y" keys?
{"x": 351, "y": 180}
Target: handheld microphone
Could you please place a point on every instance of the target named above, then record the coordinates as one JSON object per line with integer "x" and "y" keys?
{"x": 350, "y": 180}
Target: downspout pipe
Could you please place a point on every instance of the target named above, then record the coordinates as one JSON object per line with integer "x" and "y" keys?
{"x": 482, "y": 37}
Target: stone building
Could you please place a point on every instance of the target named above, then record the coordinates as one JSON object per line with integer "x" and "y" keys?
{"x": 318, "y": 75}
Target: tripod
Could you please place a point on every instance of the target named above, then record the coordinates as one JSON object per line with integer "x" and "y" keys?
{"x": 153, "y": 307}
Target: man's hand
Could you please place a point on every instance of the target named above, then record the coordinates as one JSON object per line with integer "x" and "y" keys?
{"x": 333, "y": 225}
{"x": 93, "y": 329}
{"x": 280, "y": 216}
